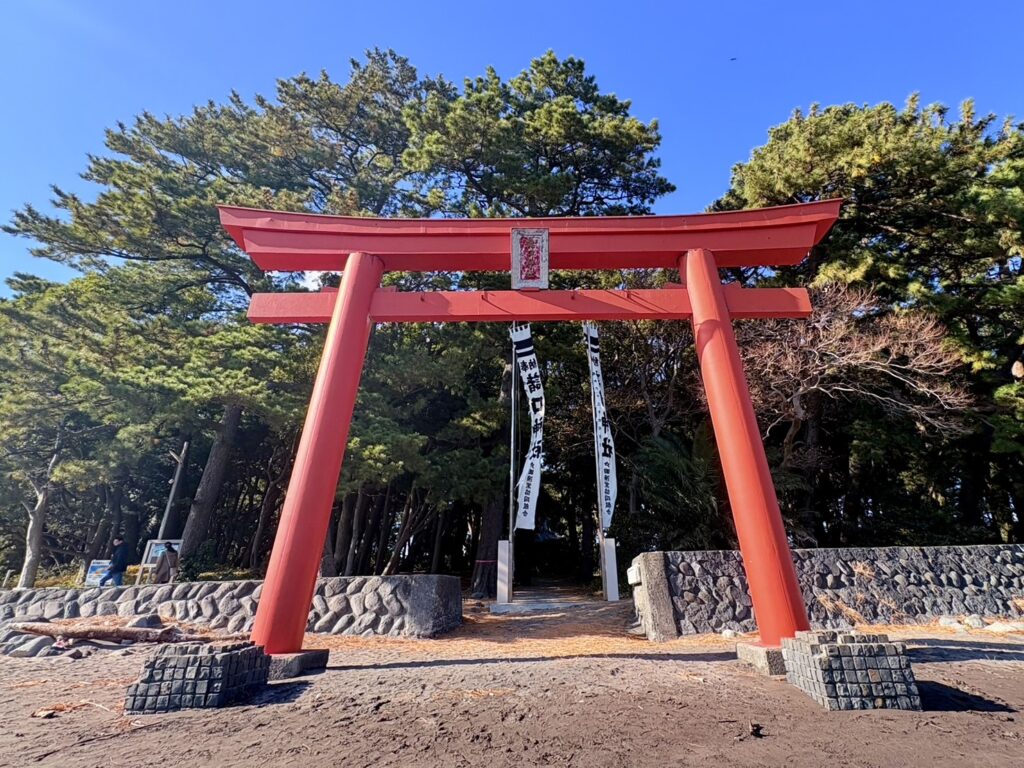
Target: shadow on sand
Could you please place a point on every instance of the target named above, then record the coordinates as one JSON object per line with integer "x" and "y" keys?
{"x": 421, "y": 664}
{"x": 938, "y": 697}
{"x": 279, "y": 693}
{"x": 933, "y": 650}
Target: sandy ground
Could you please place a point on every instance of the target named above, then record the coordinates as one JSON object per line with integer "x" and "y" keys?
{"x": 569, "y": 689}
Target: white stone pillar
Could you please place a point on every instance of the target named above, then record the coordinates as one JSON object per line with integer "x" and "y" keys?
{"x": 504, "y": 572}
{"x": 609, "y": 570}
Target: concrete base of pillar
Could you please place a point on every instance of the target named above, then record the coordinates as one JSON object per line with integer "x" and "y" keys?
{"x": 609, "y": 571}
{"x": 504, "y": 572}
{"x": 764, "y": 658}
{"x": 287, "y": 665}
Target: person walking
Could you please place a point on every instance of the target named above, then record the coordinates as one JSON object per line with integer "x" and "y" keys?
{"x": 118, "y": 564}
{"x": 166, "y": 565}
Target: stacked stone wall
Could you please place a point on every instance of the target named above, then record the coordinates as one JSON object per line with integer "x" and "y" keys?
{"x": 707, "y": 591}
{"x": 415, "y": 605}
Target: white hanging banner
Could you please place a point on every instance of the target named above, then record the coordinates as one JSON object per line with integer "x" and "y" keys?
{"x": 529, "y": 374}
{"x": 604, "y": 445}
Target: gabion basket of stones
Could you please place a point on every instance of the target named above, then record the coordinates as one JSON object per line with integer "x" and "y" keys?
{"x": 192, "y": 675}
{"x": 849, "y": 670}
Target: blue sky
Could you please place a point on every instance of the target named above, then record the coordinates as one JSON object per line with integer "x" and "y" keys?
{"x": 70, "y": 68}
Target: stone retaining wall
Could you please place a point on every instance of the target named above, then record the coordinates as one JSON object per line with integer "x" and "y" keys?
{"x": 691, "y": 592}
{"x": 416, "y": 605}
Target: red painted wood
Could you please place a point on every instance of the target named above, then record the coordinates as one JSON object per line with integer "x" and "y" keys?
{"x": 296, "y": 241}
{"x": 774, "y": 589}
{"x": 295, "y": 560}
{"x": 279, "y": 241}
{"x": 537, "y": 306}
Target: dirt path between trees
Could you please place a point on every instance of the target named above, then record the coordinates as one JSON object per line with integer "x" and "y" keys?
{"x": 571, "y": 689}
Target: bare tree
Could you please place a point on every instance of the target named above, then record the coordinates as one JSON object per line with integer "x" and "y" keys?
{"x": 852, "y": 348}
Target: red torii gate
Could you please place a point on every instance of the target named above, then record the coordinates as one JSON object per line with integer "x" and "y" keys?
{"x": 364, "y": 248}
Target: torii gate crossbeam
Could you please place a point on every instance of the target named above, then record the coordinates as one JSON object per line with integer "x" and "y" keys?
{"x": 534, "y": 306}
{"x": 365, "y": 248}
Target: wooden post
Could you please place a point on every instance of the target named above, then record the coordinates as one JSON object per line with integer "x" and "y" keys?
{"x": 291, "y": 576}
{"x": 774, "y": 590}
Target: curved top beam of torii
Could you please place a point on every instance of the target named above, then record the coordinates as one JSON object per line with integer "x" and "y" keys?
{"x": 279, "y": 241}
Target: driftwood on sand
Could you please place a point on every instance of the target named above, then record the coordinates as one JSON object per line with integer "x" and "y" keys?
{"x": 133, "y": 634}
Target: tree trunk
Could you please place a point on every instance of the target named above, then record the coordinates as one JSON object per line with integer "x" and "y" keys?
{"x": 372, "y": 530}
{"x": 574, "y": 537}
{"x": 99, "y": 539}
{"x": 37, "y": 518}
{"x": 484, "y": 582}
{"x": 460, "y": 541}
{"x": 852, "y": 507}
{"x": 974, "y": 477}
{"x": 1016, "y": 530}
{"x": 474, "y": 520}
{"x": 267, "y": 509}
{"x": 406, "y": 532}
{"x": 271, "y": 500}
{"x": 198, "y": 525}
{"x": 383, "y": 538}
{"x": 344, "y": 532}
{"x": 226, "y": 538}
{"x": 802, "y": 530}
{"x": 170, "y": 523}
{"x": 436, "y": 559}
{"x": 113, "y": 501}
{"x": 358, "y": 526}
{"x": 327, "y": 565}
{"x": 34, "y": 539}
{"x": 129, "y": 521}
{"x": 485, "y": 570}
{"x": 587, "y": 548}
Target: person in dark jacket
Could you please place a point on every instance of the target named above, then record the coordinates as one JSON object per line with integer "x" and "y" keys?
{"x": 118, "y": 563}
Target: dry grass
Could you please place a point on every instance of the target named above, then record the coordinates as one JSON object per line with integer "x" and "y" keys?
{"x": 864, "y": 570}
{"x": 894, "y": 609}
{"x": 63, "y": 707}
{"x": 30, "y": 684}
{"x": 933, "y": 628}
{"x": 838, "y": 608}
{"x": 101, "y": 683}
{"x": 580, "y": 632}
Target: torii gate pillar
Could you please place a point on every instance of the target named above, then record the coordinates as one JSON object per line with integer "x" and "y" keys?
{"x": 774, "y": 590}
{"x": 306, "y": 516}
